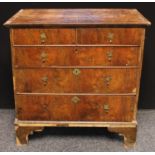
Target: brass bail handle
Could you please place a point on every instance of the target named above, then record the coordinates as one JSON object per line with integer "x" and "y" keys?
{"x": 110, "y": 37}
{"x": 107, "y": 80}
{"x": 109, "y": 55}
{"x": 106, "y": 107}
{"x": 43, "y": 37}
{"x": 45, "y": 80}
{"x": 43, "y": 57}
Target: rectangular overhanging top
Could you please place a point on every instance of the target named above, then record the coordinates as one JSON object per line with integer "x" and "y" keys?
{"x": 77, "y": 17}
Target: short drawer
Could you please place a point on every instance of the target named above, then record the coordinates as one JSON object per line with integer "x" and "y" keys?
{"x": 76, "y": 80}
{"x": 75, "y": 56}
{"x": 36, "y": 36}
{"x": 75, "y": 108}
{"x": 129, "y": 36}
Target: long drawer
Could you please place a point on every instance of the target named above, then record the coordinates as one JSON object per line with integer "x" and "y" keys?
{"x": 75, "y": 56}
{"x": 75, "y": 108}
{"x": 44, "y": 36}
{"x": 76, "y": 80}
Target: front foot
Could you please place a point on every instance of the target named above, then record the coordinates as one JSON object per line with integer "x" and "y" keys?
{"x": 23, "y": 132}
{"x": 129, "y": 134}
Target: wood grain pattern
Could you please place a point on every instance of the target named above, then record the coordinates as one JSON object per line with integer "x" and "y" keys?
{"x": 26, "y": 57}
{"x": 77, "y": 67}
{"x": 52, "y": 36}
{"x": 31, "y": 36}
{"x": 77, "y": 17}
{"x": 88, "y": 81}
{"x": 109, "y": 36}
{"x": 88, "y": 108}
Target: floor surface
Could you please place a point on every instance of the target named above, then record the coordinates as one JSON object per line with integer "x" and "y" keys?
{"x": 77, "y": 139}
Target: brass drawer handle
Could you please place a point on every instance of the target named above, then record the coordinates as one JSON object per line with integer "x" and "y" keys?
{"x": 45, "y": 80}
{"x": 43, "y": 57}
{"x": 106, "y": 107}
{"x": 109, "y": 55}
{"x": 75, "y": 99}
{"x": 107, "y": 80}
{"x": 110, "y": 37}
{"x": 43, "y": 37}
{"x": 76, "y": 71}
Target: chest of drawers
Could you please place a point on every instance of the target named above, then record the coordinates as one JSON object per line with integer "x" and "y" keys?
{"x": 77, "y": 68}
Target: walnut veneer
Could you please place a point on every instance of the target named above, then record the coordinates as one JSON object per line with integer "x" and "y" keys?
{"x": 77, "y": 67}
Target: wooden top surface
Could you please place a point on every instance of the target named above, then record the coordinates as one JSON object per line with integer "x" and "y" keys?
{"x": 77, "y": 17}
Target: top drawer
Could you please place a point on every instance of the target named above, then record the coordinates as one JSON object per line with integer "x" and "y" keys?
{"x": 83, "y": 36}
{"x": 126, "y": 36}
{"x": 38, "y": 36}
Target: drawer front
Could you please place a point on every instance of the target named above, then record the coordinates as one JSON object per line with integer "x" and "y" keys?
{"x": 75, "y": 56}
{"x": 75, "y": 108}
{"x": 76, "y": 80}
{"x": 43, "y": 36}
{"x": 129, "y": 36}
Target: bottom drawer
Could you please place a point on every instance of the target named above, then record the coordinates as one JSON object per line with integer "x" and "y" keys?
{"x": 75, "y": 108}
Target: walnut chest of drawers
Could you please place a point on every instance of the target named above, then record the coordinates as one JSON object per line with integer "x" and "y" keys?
{"x": 77, "y": 68}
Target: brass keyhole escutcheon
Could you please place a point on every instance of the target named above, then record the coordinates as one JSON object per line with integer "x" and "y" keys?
{"x": 75, "y": 99}
{"x": 109, "y": 55}
{"x": 45, "y": 80}
{"x": 106, "y": 107}
{"x": 43, "y": 57}
{"x": 76, "y": 71}
{"x": 43, "y": 37}
{"x": 110, "y": 37}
